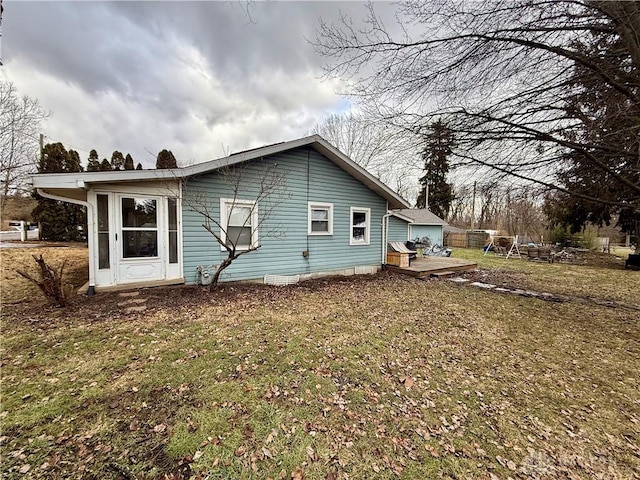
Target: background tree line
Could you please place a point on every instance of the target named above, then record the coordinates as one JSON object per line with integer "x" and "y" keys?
{"x": 535, "y": 92}
{"x": 61, "y": 221}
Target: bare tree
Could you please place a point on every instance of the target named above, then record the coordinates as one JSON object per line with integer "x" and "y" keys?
{"x": 254, "y": 196}
{"x": 460, "y": 212}
{"x": 502, "y": 75}
{"x": 20, "y": 119}
{"x": 391, "y": 154}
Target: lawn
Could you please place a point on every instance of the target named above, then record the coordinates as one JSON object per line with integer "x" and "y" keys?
{"x": 378, "y": 376}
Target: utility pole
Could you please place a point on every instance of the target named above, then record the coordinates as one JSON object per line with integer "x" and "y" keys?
{"x": 426, "y": 196}
{"x": 41, "y": 146}
{"x": 473, "y": 208}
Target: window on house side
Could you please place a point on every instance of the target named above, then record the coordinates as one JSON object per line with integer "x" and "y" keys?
{"x": 172, "y": 204}
{"x": 103, "y": 231}
{"x": 320, "y": 217}
{"x": 359, "y": 225}
{"x": 239, "y": 221}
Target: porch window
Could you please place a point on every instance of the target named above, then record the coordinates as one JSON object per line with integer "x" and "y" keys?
{"x": 139, "y": 227}
{"x": 320, "y": 219}
{"x": 103, "y": 231}
{"x": 172, "y": 204}
{"x": 239, "y": 222}
{"x": 359, "y": 226}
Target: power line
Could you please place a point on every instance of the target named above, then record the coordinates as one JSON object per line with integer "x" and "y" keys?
{"x": 67, "y": 144}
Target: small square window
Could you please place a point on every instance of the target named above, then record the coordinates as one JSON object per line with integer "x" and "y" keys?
{"x": 359, "y": 226}
{"x": 320, "y": 218}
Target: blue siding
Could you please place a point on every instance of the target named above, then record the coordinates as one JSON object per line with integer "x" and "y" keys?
{"x": 398, "y": 230}
{"x": 310, "y": 177}
{"x": 434, "y": 232}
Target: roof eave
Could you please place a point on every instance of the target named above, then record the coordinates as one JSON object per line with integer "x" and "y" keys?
{"x": 82, "y": 179}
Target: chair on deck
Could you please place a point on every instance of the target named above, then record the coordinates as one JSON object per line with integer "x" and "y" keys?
{"x": 402, "y": 248}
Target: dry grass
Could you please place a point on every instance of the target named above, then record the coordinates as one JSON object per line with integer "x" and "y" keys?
{"x": 608, "y": 281}
{"x": 15, "y": 289}
{"x": 383, "y": 376}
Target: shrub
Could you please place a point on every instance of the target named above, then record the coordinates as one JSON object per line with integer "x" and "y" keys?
{"x": 50, "y": 282}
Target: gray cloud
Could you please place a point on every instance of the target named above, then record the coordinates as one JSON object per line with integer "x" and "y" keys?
{"x": 192, "y": 77}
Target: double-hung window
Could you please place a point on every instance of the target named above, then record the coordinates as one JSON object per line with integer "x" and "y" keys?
{"x": 320, "y": 218}
{"x": 239, "y": 222}
{"x": 359, "y": 226}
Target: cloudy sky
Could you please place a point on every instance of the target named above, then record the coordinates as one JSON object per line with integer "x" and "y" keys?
{"x": 202, "y": 79}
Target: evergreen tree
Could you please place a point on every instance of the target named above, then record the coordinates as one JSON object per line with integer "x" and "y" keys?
{"x": 166, "y": 160}
{"x": 439, "y": 143}
{"x": 139, "y": 166}
{"x": 94, "y": 164}
{"x": 117, "y": 161}
{"x": 53, "y": 158}
{"x": 128, "y": 162}
{"x": 72, "y": 162}
{"x": 60, "y": 221}
{"x": 105, "y": 166}
{"x": 614, "y": 118}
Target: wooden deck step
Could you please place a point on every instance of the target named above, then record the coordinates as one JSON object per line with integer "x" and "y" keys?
{"x": 446, "y": 273}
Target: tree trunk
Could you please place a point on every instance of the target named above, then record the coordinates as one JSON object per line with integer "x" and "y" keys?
{"x": 216, "y": 276}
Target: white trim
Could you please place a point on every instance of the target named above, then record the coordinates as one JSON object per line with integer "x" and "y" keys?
{"x": 224, "y": 218}
{"x": 367, "y": 231}
{"x": 320, "y": 206}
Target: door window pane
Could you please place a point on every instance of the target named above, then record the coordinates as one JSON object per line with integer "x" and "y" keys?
{"x": 139, "y": 213}
{"x": 140, "y": 243}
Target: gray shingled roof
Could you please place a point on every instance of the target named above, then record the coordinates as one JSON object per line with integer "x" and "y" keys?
{"x": 421, "y": 216}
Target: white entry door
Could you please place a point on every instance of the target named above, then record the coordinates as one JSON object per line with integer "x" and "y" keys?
{"x": 139, "y": 241}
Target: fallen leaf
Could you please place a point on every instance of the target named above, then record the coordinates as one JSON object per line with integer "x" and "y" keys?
{"x": 240, "y": 451}
{"x": 312, "y": 454}
{"x": 161, "y": 427}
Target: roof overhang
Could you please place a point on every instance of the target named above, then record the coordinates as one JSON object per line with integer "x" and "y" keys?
{"x": 85, "y": 180}
{"x": 402, "y": 217}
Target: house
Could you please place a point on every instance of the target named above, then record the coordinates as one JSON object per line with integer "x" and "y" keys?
{"x": 146, "y": 227}
{"x": 416, "y": 223}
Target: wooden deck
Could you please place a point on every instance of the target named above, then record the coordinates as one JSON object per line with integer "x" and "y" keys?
{"x": 433, "y": 266}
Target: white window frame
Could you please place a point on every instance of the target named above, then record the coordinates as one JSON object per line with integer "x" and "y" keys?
{"x": 224, "y": 215}
{"x": 320, "y": 206}
{"x": 367, "y": 232}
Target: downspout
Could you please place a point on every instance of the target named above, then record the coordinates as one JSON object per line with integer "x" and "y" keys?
{"x": 92, "y": 280}
{"x": 385, "y": 235}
